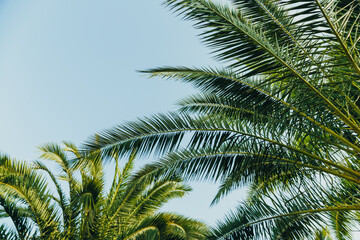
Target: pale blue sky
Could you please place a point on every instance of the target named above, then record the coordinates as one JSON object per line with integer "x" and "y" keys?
{"x": 68, "y": 70}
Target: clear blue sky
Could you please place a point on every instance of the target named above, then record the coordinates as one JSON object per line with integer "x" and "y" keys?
{"x": 68, "y": 70}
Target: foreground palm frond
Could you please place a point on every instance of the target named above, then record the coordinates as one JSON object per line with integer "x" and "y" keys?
{"x": 281, "y": 116}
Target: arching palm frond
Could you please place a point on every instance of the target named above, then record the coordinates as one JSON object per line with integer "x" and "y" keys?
{"x": 283, "y": 114}
{"x": 296, "y": 215}
{"x": 8, "y": 234}
{"x": 19, "y": 217}
{"x": 166, "y": 226}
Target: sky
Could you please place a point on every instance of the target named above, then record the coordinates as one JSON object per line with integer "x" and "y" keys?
{"x": 68, "y": 69}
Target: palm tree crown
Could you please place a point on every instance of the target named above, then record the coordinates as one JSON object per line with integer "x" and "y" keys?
{"x": 282, "y": 116}
{"x": 82, "y": 208}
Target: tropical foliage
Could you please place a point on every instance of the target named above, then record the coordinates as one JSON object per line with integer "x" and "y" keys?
{"x": 282, "y": 116}
{"x": 81, "y": 207}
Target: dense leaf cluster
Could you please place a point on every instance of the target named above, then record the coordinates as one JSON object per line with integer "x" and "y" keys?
{"x": 82, "y": 207}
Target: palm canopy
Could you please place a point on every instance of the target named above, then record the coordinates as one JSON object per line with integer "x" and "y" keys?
{"x": 282, "y": 115}
{"x": 83, "y": 208}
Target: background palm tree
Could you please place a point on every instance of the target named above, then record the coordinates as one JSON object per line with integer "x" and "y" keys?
{"x": 82, "y": 208}
{"x": 282, "y": 116}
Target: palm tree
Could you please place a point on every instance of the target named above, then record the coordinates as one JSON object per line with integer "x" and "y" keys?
{"x": 82, "y": 208}
{"x": 282, "y": 116}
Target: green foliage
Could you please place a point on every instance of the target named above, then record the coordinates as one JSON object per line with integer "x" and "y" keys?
{"x": 81, "y": 207}
{"x": 282, "y": 116}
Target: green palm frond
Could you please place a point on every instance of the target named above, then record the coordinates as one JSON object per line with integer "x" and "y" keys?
{"x": 54, "y": 152}
{"x": 19, "y": 217}
{"x": 28, "y": 187}
{"x": 282, "y": 116}
{"x": 8, "y": 234}
{"x": 323, "y": 235}
{"x": 292, "y": 218}
{"x": 166, "y": 226}
{"x": 68, "y": 204}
